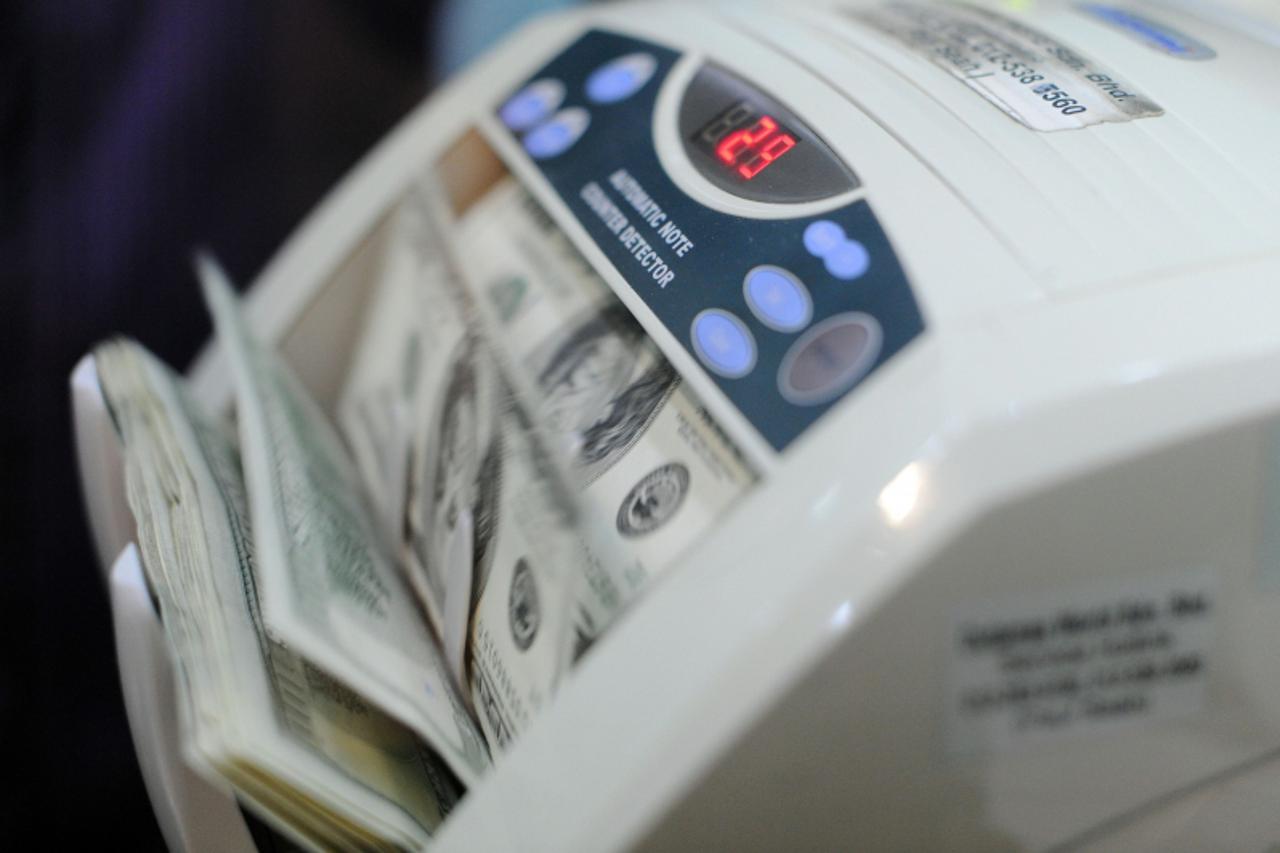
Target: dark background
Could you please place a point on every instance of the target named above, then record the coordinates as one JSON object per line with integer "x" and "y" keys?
{"x": 131, "y": 132}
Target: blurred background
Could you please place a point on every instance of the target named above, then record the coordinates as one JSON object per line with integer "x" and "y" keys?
{"x": 131, "y": 133}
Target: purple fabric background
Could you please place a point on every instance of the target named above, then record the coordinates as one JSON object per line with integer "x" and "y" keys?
{"x": 130, "y": 133}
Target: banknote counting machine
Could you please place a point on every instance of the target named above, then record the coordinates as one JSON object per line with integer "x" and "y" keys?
{"x": 986, "y": 294}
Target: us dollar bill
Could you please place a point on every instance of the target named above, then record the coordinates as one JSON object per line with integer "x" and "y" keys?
{"x": 378, "y": 402}
{"x": 527, "y": 573}
{"x": 488, "y": 501}
{"x": 310, "y": 755}
{"x": 654, "y": 469}
{"x": 415, "y": 412}
{"x": 328, "y": 583}
{"x": 651, "y": 468}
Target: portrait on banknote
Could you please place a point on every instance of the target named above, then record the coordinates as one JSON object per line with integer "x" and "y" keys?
{"x": 486, "y": 511}
{"x": 455, "y": 487}
{"x": 602, "y": 383}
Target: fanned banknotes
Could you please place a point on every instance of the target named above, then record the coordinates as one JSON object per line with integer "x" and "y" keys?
{"x": 654, "y": 469}
{"x": 485, "y": 494}
{"x": 312, "y": 756}
{"x": 650, "y": 469}
{"x": 417, "y": 412}
{"x": 365, "y": 621}
{"x": 328, "y": 585}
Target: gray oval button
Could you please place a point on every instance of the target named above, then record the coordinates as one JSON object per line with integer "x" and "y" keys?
{"x": 829, "y": 358}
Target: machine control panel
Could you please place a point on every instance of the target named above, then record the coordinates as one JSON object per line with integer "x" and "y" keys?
{"x": 786, "y": 314}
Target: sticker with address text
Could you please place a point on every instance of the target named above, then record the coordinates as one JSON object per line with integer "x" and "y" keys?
{"x": 1081, "y": 661}
{"x": 1030, "y": 75}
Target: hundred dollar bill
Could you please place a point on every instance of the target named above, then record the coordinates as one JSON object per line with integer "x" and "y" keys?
{"x": 328, "y": 586}
{"x": 654, "y": 469}
{"x": 414, "y": 407}
{"x": 453, "y": 482}
{"x": 650, "y": 468}
{"x": 527, "y": 572}
{"x": 313, "y": 757}
{"x": 378, "y": 401}
{"x": 486, "y": 497}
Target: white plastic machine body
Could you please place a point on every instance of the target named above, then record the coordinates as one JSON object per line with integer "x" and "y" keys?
{"x": 1011, "y": 574}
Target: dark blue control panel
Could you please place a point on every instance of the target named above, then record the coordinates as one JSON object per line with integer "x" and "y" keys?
{"x": 786, "y": 315}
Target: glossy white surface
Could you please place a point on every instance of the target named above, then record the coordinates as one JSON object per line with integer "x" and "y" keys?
{"x": 194, "y": 816}
{"x": 100, "y": 465}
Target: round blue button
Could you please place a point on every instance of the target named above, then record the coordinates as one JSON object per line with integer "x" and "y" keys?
{"x": 557, "y": 134}
{"x": 620, "y": 79}
{"x": 777, "y": 298}
{"x": 723, "y": 343}
{"x": 848, "y": 260}
{"x": 821, "y": 237}
{"x": 532, "y": 104}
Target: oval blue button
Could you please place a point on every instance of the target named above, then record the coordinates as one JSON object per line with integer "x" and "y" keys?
{"x": 723, "y": 343}
{"x": 557, "y": 134}
{"x": 821, "y": 237}
{"x": 620, "y": 79}
{"x": 777, "y": 298}
{"x": 532, "y": 104}
{"x": 848, "y": 260}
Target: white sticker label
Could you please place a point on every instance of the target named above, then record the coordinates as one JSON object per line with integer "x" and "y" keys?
{"x": 1077, "y": 662}
{"x": 1028, "y": 74}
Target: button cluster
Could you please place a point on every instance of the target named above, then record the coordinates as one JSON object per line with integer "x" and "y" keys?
{"x": 827, "y": 359}
{"x": 844, "y": 257}
{"x": 549, "y": 131}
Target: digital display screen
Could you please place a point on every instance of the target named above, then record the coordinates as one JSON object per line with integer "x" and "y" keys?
{"x": 745, "y": 139}
{"x": 748, "y": 143}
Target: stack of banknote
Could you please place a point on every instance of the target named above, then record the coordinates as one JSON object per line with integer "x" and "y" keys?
{"x": 368, "y": 606}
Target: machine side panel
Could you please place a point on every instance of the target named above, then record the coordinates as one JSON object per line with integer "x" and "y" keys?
{"x": 859, "y": 752}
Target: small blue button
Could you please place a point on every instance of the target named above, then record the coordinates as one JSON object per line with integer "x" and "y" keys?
{"x": 620, "y": 79}
{"x": 777, "y": 298}
{"x": 724, "y": 343}
{"x": 848, "y": 260}
{"x": 532, "y": 104}
{"x": 823, "y": 236}
{"x": 557, "y": 134}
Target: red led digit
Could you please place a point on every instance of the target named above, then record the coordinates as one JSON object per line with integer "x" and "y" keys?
{"x": 776, "y": 147}
{"x": 727, "y": 121}
{"x": 751, "y": 149}
{"x": 737, "y": 143}
{"x": 769, "y": 150}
